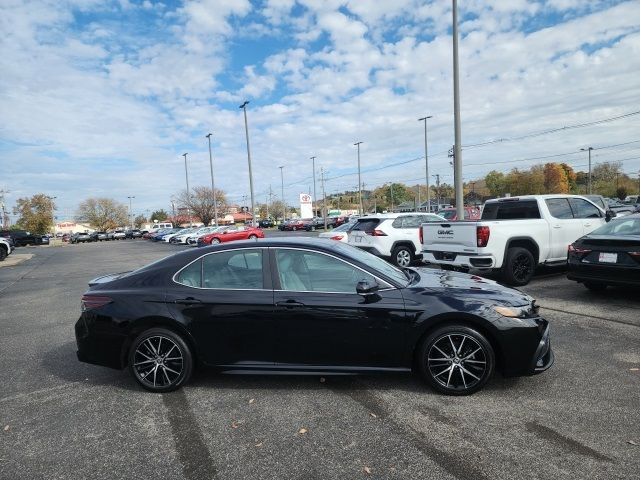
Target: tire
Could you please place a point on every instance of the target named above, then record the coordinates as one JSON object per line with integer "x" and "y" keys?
{"x": 155, "y": 370}
{"x": 215, "y": 241}
{"x": 3, "y": 253}
{"x": 595, "y": 286}
{"x": 519, "y": 267}
{"x": 456, "y": 373}
{"x": 402, "y": 256}
{"x": 294, "y": 229}
{"x": 252, "y": 237}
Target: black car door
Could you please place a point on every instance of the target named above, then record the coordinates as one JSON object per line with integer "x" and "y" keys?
{"x": 226, "y": 301}
{"x": 320, "y": 319}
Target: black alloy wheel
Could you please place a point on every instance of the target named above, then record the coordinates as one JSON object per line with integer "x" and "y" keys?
{"x": 402, "y": 256}
{"x": 160, "y": 360}
{"x": 456, "y": 360}
{"x": 519, "y": 266}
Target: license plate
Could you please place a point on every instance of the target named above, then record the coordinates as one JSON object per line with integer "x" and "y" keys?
{"x": 608, "y": 257}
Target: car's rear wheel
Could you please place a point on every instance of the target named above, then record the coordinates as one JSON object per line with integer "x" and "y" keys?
{"x": 519, "y": 266}
{"x": 402, "y": 256}
{"x": 595, "y": 286}
{"x": 160, "y": 360}
{"x": 252, "y": 237}
{"x": 215, "y": 241}
{"x": 456, "y": 360}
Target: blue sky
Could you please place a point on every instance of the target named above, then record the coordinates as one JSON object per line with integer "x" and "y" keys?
{"x": 101, "y": 98}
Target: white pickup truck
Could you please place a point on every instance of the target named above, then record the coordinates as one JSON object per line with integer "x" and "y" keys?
{"x": 514, "y": 235}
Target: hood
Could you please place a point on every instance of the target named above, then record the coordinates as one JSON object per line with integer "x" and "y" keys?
{"x": 466, "y": 285}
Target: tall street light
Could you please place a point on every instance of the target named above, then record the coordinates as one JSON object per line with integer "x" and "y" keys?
{"x": 426, "y": 162}
{"x": 246, "y": 131}
{"x": 186, "y": 176}
{"x": 130, "y": 211}
{"x": 284, "y": 204}
{"x": 357, "y": 144}
{"x": 588, "y": 149}
{"x": 315, "y": 201}
{"x": 457, "y": 159}
{"x": 213, "y": 184}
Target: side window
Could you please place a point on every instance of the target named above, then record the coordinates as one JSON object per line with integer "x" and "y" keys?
{"x": 305, "y": 271}
{"x": 559, "y": 208}
{"x": 398, "y": 222}
{"x": 192, "y": 275}
{"x": 583, "y": 209}
{"x": 236, "y": 269}
{"x": 412, "y": 221}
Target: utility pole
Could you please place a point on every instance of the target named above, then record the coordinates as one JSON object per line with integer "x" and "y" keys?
{"x": 324, "y": 198}
{"x": 457, "y": 159}
{"x": 357, "y": 144}
{"x": 284, "y": 204}
{"x": 246, "y": 131}
{"x": 186, "y": 176}
{"x": 3, "y": 211}
{"x": 426, "y": 163}
{"x": 213, "y": 184}
{"x": 588, "y": 149}
{"x": 315, "y": 199}
{"x": 130, "y": 211}
{"x": 437, "y": 175}
{"x": 391, "y": 189}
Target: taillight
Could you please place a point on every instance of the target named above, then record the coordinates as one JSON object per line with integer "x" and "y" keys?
{"x": 482, "y": 236}
{"x": 376, "y": 233}
{"x": 420, "y": 235}
{"x": 91, "y": 302}
{"x": 337, "y": 237}
{"x": 578, "y": 250}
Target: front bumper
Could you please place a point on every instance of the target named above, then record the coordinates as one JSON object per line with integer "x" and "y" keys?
{"x": 543, "y": 358}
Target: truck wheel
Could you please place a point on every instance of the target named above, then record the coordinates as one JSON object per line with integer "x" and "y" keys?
{"x": 402, "y": 256}
{"x": 3, "y": 253}
{"x": 519, "y": 266}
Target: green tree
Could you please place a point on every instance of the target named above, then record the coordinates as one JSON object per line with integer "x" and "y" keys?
{"x": 36, "y": 213}
{"x": 496, "y": 183}
{"x": 102, "y": 213}
{"x": 159, "y": 215}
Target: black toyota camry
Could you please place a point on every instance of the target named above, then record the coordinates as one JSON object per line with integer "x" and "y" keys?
{"x": 309, "y": 306}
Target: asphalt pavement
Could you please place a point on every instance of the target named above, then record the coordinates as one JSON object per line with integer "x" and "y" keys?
{"x": 62, "y": 419}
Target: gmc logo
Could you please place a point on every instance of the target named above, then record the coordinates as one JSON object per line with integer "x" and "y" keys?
{"x": 445, "y": 232}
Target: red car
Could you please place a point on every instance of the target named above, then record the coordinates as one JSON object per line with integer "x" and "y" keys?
{"x": 470, "y": 213}
{"x": 297, "y": 224}
{"x": 230, "y": 234}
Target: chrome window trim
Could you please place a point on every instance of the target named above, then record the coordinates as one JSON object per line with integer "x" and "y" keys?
{"x": 383, "y": 283}
{"x": 173, "y": 278}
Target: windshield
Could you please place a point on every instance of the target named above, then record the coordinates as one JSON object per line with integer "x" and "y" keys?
{"x": 345, "y": 227}
{"x": 448, "y": 214}
{"x": 374, "y": 262}
{"x": 622, "y": 226}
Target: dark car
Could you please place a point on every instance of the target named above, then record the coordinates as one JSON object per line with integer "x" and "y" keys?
{"x": 283, "y": 225}
{"x": 22, "y": 238}
{"x": 308, "y": 305}
{"x": 266, "y": 223}
{"x": 314, "y": 224}
{"x": 296, "y": 224}
{"x": 610, "y": 255}
{"x": 81, "y": 237}
{"x": 135, "y": 233}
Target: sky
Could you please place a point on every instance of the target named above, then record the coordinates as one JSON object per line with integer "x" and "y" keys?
{"x": 100, "y": 98}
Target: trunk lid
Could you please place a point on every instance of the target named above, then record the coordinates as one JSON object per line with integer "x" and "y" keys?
{"x": 455, "y": 237}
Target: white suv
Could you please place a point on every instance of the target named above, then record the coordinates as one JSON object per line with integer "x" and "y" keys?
{"x": 393, "y": 236}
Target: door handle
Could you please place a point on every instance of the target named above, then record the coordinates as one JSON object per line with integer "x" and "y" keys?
{"x": 187, "y": 301}
{"x": 557, "y": 226}
{"x": 289, "y": 304}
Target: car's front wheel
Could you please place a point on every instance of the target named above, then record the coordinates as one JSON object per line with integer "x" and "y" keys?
{"x": 456, "y": 360}
{"x": 402, "y": 256}
{"x": 215, "y": 241}
{"x": 160, "y": 360}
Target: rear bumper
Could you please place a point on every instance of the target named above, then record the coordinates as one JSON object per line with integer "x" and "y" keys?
{"x": 97, "y": 345}
{"x": 460, "y": 260}
{"x": 602, "y": 274}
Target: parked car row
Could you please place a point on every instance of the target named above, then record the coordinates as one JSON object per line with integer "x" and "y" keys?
{"x": 6, "y": 247}
{"x": 22, "y": 238}
{"x": 101, "y": 236}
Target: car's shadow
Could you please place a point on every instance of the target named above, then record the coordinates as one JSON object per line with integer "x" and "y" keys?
{"x": 63, "y": 363}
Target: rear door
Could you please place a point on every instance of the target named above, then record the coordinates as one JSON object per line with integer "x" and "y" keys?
{"x": 564, "y": 227}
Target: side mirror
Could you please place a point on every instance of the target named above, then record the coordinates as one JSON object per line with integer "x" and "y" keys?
{"x": 609, "y": 215}
{"x": 366, "y": 287}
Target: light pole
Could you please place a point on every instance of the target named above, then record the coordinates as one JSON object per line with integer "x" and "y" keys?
{"x": 284, "y": 204}
{"x": 130, "y": 211}
{"x": 246, "y": 131}
{"x": 457, "y": 159}
{"x": 426, "y": 163}
{"x": 588, "y": 149}
{"x": 186, "y": 176}
{"x": 213, "y": 184}
{"x": 357, "y": 144}
{"x": 315, "y": 201}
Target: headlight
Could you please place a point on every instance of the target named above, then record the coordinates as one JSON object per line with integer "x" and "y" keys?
{"x": 515, "y": 312}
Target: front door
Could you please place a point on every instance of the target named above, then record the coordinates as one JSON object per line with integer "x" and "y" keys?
{"x": 321, "y": 320}
{"x": 226, "y": 301}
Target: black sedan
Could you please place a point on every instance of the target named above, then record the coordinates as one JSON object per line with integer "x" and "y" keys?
{"x": 610, "y": 255}
{"x": 308, "y": 306}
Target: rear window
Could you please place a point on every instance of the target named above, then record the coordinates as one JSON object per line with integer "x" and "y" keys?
{"x": 366, "y": 225}
{"x": 448, "y": 214}
{"x": 511, "y": 210}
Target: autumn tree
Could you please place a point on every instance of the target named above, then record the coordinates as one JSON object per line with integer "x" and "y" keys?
{"x": 139, "y": 221}
{"x": 102, "y": 213}
{"x": 35, "y": 213}
{"x": 571, "y": 177}
{"x": 496, "y": 183}
{"x": 200, "y": 203}
{"x": 555, "y": 179}
{"x": 158, "y": 215}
